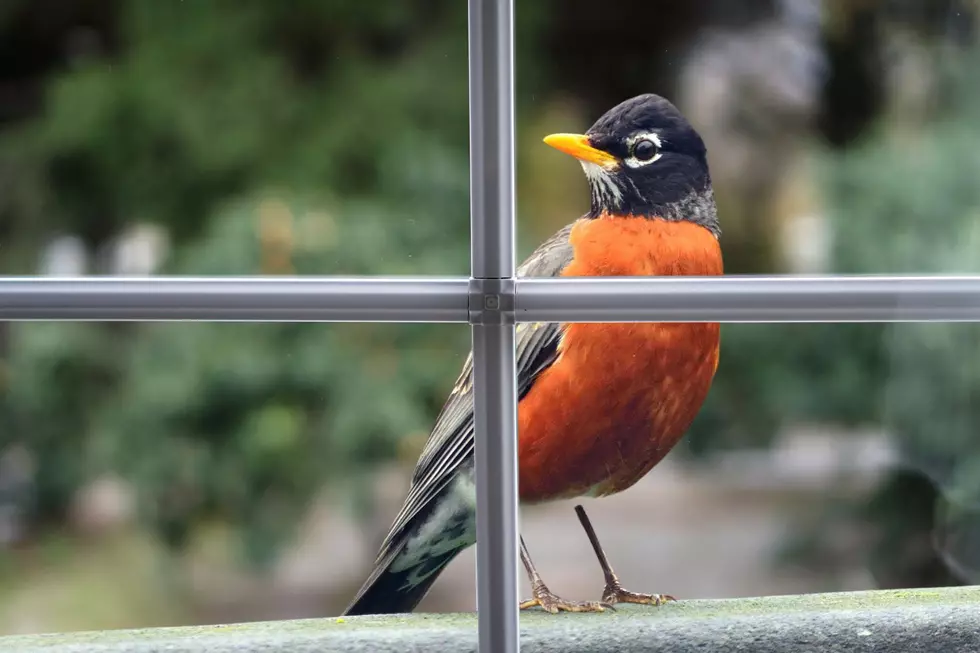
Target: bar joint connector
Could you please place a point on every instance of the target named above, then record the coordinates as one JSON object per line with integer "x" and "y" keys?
{"x": 492, "y": 301}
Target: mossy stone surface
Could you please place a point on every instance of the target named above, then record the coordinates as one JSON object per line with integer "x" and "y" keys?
{"x": 944, "y": 619}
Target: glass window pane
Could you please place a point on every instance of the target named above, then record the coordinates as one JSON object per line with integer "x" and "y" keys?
{"x": 841, "y": 137}
{"x": 322, "y": 138}
{"x": 199, "y": 473}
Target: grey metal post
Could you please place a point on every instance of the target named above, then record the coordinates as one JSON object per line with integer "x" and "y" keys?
{"x": 494, "y": 376}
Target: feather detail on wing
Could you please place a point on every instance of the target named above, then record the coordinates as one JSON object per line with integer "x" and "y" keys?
{"x": 451, "y": 443}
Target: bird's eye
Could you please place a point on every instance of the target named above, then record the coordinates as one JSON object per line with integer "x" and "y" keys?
{"x": 645, "y": 150}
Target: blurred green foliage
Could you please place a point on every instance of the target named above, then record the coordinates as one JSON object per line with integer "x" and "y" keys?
{"x": 55, "y": 377}
{"x": 211, "y": 99}
{"x": 922, "y": 215}
{"x": 233, "y": 126}
{"x": 902, "y": 202}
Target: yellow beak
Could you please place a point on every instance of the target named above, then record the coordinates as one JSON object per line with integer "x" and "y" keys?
{"x": 578, "y": 146}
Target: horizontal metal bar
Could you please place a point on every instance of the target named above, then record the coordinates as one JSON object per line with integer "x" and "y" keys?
{"x": 750, "y": 299}
{"x": 442, "y": 299}
{"x": 249, "y": 299}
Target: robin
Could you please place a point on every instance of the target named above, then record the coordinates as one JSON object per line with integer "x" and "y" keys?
{"x": 599, "y": 404}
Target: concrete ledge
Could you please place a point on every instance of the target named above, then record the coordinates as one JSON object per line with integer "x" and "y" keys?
{"x": 946, "y": 620}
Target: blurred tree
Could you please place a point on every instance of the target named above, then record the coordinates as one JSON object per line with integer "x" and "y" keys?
{"x": 208, "y": 100}
{"x": 908, "y": 202}
{"x": 56, "y": 377}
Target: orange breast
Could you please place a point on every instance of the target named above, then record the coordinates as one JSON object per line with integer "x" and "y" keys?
{"x": 620, "y": 396}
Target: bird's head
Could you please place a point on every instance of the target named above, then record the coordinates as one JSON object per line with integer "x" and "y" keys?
{"x": 642, "y": 158}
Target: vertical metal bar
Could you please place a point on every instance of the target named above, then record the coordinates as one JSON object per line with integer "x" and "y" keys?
{"x": 494, "y": 368}
{"x": 496, "y": 491}
{"x": 491, "y": 138}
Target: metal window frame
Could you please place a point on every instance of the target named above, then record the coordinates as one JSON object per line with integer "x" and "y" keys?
{"x": 491, "y": 300}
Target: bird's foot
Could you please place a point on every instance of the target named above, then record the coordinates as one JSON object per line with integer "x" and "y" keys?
{"x": 544, "y": 598}
{"x": 614, "y": 593}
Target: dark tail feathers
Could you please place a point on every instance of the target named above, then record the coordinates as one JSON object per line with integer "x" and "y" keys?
{"x": 390, "y": 592}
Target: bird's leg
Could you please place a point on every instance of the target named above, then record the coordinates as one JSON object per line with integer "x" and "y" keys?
{"x": 614, "y": 592}
{"x": 546, "y": 599}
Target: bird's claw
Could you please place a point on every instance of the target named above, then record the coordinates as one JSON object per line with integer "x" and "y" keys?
{"x": 616, "y": 594}
{"x": 555, "y": 604}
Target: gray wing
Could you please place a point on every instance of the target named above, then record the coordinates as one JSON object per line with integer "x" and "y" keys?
{"x": 451, "y": 443}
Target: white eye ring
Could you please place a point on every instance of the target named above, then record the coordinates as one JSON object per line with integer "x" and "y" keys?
{"x": 631, "y": 161}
